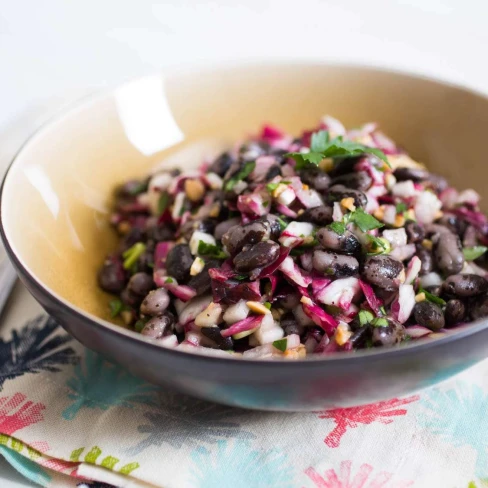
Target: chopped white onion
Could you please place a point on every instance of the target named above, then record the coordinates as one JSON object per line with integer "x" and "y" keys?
{"x": 237, "y": 312}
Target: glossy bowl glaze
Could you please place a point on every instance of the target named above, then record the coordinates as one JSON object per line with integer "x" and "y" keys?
{"x": 56, "y": 195}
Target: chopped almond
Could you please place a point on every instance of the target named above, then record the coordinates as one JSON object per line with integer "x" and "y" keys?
{"x": 197, "y": 266}
{"x": 194, "y": 189}
{"x": 279, "y": 190}
{"x": 214, "y": 211}
{"x": 403, "y": 161}
{"x": 257, "y": 307}
{"x": 390, "y": 181}
{"x": 438, "y": 214}
{"x": 305, "y": 187}
{"x": 306, "y": 301}
{"x": 124, "y": 227}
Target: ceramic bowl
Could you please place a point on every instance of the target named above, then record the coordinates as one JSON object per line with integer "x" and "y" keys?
{"x": 56, "y": 195}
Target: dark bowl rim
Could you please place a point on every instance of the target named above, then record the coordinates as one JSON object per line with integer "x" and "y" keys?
{"x": 339, "y": 358}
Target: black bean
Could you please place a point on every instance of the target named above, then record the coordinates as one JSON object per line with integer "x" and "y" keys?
{"x": 383, "y": 271}
{"x": 221, "y": 164}
{"x": 479, "y": 308}
{"x": 448, "y": 253}
{"x": 141, "y": 284}
{"x": 130, "y": 299}
{"x": 454, "y": 224}
{"x": 321, "y": 215}
{"x": 455, "y": 312}
{"x": 135, "y": 235}
{"x": 245, "y": 235}
{"x": 156, "y": 302}
{"x": 426, "y": 259}
{"x": 252, "y": 150}
{"x": 157, "y": 326}
{"x": 205, "y": 225}
{"x": 273, "y": 171}
{"x": 213, "y": 333}
{"x": 178, "y": 263}
{"x": 145, "y": 263}
{"x": 161, "y": 232}
{"x": 202, "y": 281}
{"x": 414, "y": 174}
{"x": 315, "y": 177}
{"x": 337, "y": 192}
{"x": 260, "y": 255}
{"x": 343, "y": 166}
{"x": 434, "y": 290}
{"x": 290, "y": 300}
{"x": 289, "y": 324}
{"x": 337, "y": 265}
{"x": 275, "y": 226}
{"x": 346, "y": 243}
{"x": 358, "y": 180}
{"x": 415, "y": 233}
{"x": 465, "y": 285}
{"x": 429, "y": 315}
{"x": 112, "y": 276}
{"x": 131, "y": 188}
{"x": 388, "y": 335}
{"x": 360, "y": 335}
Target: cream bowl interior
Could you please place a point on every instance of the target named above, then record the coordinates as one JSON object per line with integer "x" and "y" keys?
{"x": 57, "y": 192}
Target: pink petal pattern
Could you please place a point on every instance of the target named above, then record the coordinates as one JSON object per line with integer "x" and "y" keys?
{"x": 364, "y": 478}
{"x": 17, "y": 413}
{"x": 352, "y": 417}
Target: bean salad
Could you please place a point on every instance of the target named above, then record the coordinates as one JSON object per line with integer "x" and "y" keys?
{"x": 336, "y": 240}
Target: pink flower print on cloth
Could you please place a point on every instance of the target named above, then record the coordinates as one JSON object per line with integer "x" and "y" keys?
{"x": 363, "y": 477}
{"x": 352, "y": 417}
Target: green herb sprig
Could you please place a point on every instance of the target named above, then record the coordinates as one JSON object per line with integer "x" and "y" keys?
{"x": 322, "y": 147}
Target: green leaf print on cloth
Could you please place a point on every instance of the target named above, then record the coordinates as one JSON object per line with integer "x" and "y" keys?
{"x": 94, "y": 456}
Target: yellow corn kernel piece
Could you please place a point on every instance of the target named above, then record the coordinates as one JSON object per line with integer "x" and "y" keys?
{"x": 305, "y": 187}
{"x": 420, "y": 297}
{"x": 257, "y": 307}
{"x": 399, "y": 221}
{"x": 342, "y": 335}
{"x": 214, "y": 211}
{"x": 295, "y": 353}
{"x": 348, "y": 203}
{"x": 427, "y": 244}
{"x": 326, "y": 164}
{"x": 379, "y": 213}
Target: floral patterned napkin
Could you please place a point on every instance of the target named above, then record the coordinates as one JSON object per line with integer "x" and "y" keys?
{"x": 68, "y": 418}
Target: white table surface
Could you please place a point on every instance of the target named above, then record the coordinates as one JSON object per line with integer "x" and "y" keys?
{"x": 52, "y": 51}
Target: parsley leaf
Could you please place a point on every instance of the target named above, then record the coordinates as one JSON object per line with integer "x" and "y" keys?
{"x": 364, "y": 220}
{"x": 283, "y": 224}
{"x": 267, "y": 305}
{"x": 163, "y": 202}
{"x": 338, "y": 227}
{"x": 432, "y": 298}
{"x": 272, "y": 186}
{"x": 379, "y": 322}
{"x": 322, "y": 147}
{"x": 401, "y": 207}
{"x": 281, "y": 344}
{"x": 319, "y": 141}
{"x": 472, "y": 253}
{"x": 169, "y": 280}
{"x": 365, "y": 317}
{"x": 378, "y": 245}
{"x": 139, "y": 325}
{"x": 132, "y": 255}
{"x": 116, "y": 306}
{"x": 211, "y": 250}
{"x": 241, "y": 175}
